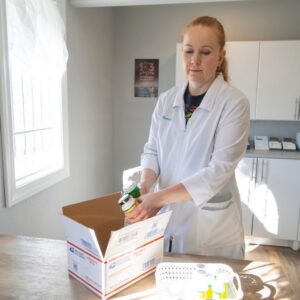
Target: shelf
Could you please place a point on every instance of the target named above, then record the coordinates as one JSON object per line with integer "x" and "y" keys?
{"x": 273, "y": 154}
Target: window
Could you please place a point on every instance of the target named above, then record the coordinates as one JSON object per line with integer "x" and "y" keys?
{"x": 33, "y": 98}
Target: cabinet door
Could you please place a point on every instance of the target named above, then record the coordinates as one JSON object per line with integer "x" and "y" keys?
{"x": 277, "y": 202}
{"x": 245, "y": 174}
{"x": 242, "y": 58}
{"x": 278, "y": 87}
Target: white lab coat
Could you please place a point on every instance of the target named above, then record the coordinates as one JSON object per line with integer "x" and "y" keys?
{"x": 202, "y": 155}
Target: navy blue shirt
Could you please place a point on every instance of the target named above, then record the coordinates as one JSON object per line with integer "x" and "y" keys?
{"x": 191, "y": 103}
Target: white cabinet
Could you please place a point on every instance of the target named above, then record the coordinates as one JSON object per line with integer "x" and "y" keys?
{"x": 271, "y": 196}
{"x": 277, "y": 201}
{"x": 267, "y": 73}
{"x": 246, "y": 182}
{"x": 278, "y": 89}
{"x": 242, "y": 59}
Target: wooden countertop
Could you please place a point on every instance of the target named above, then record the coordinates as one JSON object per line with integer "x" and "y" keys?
{"x": 34, "y": 268}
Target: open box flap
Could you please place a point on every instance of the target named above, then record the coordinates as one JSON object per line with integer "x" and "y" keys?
{"x": 136, "y": 235}
{"x": 101, "y": 215}
{"x": 106, "y": 205}
{"x": 81, "y": 236}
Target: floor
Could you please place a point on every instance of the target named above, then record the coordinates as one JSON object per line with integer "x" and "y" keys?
{"x": 287, "y": 258}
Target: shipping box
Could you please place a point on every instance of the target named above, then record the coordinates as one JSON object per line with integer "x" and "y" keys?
{"x": 104, "y": 255}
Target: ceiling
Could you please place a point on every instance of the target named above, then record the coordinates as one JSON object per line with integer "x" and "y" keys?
{"x": 98, "y": 3}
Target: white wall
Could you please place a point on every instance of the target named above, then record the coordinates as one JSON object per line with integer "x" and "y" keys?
{"x": 90, "y": 37}
{"x": 152, "y": 32}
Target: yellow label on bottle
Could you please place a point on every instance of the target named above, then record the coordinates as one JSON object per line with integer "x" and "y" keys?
{"x": 133, "y": 206}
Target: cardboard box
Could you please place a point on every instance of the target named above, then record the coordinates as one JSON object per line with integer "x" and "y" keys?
{"x": 104, "y": 255}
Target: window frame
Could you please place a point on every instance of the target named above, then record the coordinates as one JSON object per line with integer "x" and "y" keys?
{"x": 14, "y": 194}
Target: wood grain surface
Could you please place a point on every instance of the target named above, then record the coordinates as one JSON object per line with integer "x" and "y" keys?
{"x": 35, "y": 268}
{"x": 286, "y": 258}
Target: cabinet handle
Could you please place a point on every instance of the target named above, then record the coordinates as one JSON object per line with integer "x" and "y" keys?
{"x": 254, "y": 170}
{"x": 297, "y": 109}
{"x": 262, "y": 171}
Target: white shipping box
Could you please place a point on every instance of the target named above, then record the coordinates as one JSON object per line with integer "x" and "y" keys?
{"x": 104, "y": 255}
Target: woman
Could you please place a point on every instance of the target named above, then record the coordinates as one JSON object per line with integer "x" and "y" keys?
{"x": 198, "y": 134}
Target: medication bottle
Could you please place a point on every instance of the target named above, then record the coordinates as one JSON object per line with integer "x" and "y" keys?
{"x": 209, "y": 292}
{"x": 127, "y": 203}
{"x": 132, "y": 189}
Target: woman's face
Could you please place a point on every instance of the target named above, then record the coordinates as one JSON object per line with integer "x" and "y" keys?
{"x": 201, "y": 55}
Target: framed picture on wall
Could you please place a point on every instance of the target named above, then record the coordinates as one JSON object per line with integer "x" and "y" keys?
{"x": 146, "y": 78}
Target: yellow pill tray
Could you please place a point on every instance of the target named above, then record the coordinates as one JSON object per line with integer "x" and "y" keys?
{"x": 182, "y": 281}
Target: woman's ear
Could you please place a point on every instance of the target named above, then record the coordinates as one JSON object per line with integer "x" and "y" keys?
{"x": 222, "y": 55}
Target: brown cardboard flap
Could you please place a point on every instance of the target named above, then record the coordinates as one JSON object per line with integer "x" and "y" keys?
{"x": 107, "y": 205}
{"x": 103, "y": 232}
{"x": 102, "y": 214}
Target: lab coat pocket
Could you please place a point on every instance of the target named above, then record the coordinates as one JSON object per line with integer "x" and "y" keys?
{"x": 219, "y": 223}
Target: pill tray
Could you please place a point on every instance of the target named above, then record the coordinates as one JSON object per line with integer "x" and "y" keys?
{"x": 177, "y": 281}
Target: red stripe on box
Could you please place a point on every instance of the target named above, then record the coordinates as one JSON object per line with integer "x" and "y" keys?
{"x": 105, "y": 262}
{"x": 123, "y": 254}
{"x": 158, "y": 238}
{"x": 130, "y": 281}
{"x": 80, "y": 278}
{"x": 120, "y": 287}
{"x": 88, "y": 253}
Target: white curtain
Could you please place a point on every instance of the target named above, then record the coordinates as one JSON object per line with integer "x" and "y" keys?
{"x": 36, "y": 35}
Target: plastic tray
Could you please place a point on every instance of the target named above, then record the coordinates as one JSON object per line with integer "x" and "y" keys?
{"x": 182, "y": 281}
